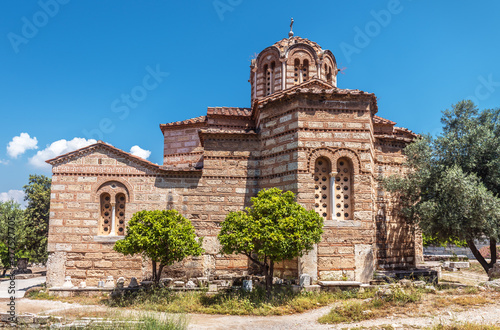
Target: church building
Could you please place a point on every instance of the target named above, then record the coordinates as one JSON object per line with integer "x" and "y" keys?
{"x": 302, "y": 133}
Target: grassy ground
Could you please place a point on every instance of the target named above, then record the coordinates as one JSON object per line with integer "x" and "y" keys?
{"x": 282, "y": 302}
{"x": 355, "y": 311}
{"x": 349, "y": 307}
{"x": 411, "y": 302}
{"x": 122, "y": 320}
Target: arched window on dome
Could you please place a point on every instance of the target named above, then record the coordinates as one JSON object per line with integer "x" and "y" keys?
{"x": 305, "y": 70}
{"x": 296, "y": 72}
{"x": 273, "y": 76}
{"x": 322, "y": 189}
{"x": 344, "y": 190}
{"x": 328, "y": 73}
{"x": 267, "y": 79}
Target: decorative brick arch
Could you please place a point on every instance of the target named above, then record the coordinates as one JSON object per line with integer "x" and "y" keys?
{"x": 349, "y": 154}
{"x": 300, "y": 50}
{"x": 317, "y": 153}
{"x": 333, "y": 155}
{"x": 105, "y": 185}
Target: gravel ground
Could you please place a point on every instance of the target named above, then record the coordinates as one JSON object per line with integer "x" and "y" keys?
{"x": 489, "y": 314}
{"x": 485, "y": 315}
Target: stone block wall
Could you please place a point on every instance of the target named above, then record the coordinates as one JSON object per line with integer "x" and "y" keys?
{"x": 399, "y": 244}
{"x": 237, "y": 161}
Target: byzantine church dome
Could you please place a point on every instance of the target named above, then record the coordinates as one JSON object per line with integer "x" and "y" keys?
{"x": 290, "y": 62}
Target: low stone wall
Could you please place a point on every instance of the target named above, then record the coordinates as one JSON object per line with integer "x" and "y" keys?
{"x": 452, "y": 249}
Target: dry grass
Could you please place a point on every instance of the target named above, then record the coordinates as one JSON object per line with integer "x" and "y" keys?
{"x": 465, "y": 326}
{"x": 466, "y": 300}
{"x": 282, "y": 302}
{"x": 456, "y": 299}
{"x": 475, "y": 267}
{"x": 114, "y": 319}
{"x": 42, "y": 294}
{"x": 354, "y": 311}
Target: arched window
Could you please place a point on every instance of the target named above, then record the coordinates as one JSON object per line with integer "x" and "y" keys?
{"x": 112, "y": 198}
{"x": 343, "y": 190}
{"x": 273, "y": 76}
{"x": 322, "y": 191}
{"x": 296, "y": 74}
{"x": 305, "y": 70}
{"x": 267, "y": 79}
{"x": 105, "y": 226}
{"x": 120, "y": 214}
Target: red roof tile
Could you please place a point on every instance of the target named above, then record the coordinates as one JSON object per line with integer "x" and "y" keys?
{"x": 383, "y": 121}
{"x": 197, "y": 120}
{"x": 229, "y": 111}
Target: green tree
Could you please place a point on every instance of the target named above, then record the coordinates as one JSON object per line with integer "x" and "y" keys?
{"x": 275, "y": 228}
{"x": 37, "y": 194}
{"x": 164, "y": 237}
{"x": 12, "y": 233}
{"x": 452, "y": 184}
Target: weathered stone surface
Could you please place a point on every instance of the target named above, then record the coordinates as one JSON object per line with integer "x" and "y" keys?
{"x": 494, "y": 272}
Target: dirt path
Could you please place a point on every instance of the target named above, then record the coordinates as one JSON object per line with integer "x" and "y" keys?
{"x": 489, "y": 314}
{"x": 485, "y": 315}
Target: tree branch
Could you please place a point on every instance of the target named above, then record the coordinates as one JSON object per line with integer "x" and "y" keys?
{"x": 253, "y": 259}
{"x": 475, "y": 252}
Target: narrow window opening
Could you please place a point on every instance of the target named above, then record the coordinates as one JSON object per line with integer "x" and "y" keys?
{"x": 343, "y": 186}
{"x": 322, "y": 188}
{"x": 106, "y": 215}
{"x": 296, "y": 72}
{"x": 305, "y": 71}
{"x": 120, "y": 214}
{"x": 267, "y": 77}
{"x": 272, "y": 76}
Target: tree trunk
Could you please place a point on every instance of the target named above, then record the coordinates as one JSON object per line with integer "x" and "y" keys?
{"x": 4, "y": 271}
{"x": 160, "y": 270}
{"x": 478, "y": 255}
{"x": 269, "y": 278}
{"x": 493, "y": 251}
{"x": 154, "y": 272}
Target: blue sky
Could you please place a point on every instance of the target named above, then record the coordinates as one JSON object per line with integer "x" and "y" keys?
{"x": 67, "y": 66}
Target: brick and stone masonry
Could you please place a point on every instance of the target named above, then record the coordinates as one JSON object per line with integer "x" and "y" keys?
{"x": 302, "y": 133}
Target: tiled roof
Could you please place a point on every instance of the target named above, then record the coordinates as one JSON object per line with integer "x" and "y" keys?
{"x": 315, "y": 86}
{"x": 100, "y": 144}
{"x": 197, "y": 120}
{"x": 229, "y": 111}
{"x": 383, "y": 121}
{"x": 283, "y": 44}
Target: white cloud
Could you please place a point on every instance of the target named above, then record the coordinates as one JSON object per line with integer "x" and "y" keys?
{"x": 58, "y": 148}
{"x": 15, "y": 195}
{"x": 4, "y": 162}
{"x": 20, "y": 144}
{"x": 139, "y": 152}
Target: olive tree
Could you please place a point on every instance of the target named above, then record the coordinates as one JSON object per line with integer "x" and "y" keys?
{"x": 163, "y": 236}
{"x": 451, "y": 189}
{"x": 273, "y": 229}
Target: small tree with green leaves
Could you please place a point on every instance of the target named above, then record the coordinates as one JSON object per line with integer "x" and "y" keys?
{"x": 12, "y": 233}
{"x": 164, "y": 237}
{"x": 274, "y": 229}
{"x": 37, "y": 194}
